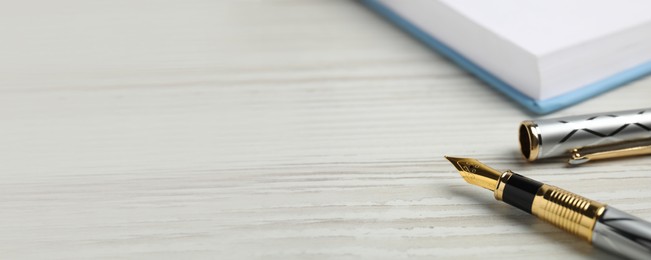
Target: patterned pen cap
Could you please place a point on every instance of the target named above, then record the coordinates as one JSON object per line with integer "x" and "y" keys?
{"x": 587, "y": 137}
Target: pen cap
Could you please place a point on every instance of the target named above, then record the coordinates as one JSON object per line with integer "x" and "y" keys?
{"x": 558, "y": 136}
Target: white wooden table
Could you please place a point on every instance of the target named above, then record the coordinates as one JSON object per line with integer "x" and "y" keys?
{"x": 262, "y": 129}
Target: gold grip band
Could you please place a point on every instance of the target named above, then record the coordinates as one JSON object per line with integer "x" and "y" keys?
{"x": 567, "y": 210}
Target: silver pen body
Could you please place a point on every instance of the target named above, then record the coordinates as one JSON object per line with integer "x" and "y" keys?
{"x": 623, "y": 234}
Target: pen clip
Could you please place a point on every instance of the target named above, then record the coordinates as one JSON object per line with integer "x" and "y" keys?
{"x": 582, "y": 155}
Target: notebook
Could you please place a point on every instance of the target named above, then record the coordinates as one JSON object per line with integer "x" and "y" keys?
{"x": 545, "y": 55}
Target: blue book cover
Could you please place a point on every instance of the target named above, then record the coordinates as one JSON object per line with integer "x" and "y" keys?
{"x": 537, "y": 106}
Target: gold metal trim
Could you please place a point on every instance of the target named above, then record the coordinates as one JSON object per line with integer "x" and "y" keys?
{"x": 529, "y": 137}
{"x": 501, "y": 183}
{"x": 566, "y": 210}
{"x": 622, "y": 149}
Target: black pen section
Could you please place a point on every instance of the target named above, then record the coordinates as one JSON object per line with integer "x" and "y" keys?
{"x": 520, "y": 191}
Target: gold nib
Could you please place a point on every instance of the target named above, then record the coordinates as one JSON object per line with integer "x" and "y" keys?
{"x": 476, "y": 173}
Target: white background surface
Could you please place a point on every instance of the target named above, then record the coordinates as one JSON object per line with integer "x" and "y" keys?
{"x": 263, "y": 129}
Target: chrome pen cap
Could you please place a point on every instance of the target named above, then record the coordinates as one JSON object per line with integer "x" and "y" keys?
{"x": 587, "y": 137}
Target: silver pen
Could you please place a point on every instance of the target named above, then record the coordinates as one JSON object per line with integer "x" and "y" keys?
{"x": 587, "y": 137}
{"x": 604, "y": 226}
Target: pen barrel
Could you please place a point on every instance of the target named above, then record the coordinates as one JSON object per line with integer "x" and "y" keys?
{"x": 619, "y": 232}
{"x": 558, "y": 136}
{"x": 568, "y": 211}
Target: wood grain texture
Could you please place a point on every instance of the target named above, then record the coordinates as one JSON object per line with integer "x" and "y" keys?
{"x": 262, "y": 129}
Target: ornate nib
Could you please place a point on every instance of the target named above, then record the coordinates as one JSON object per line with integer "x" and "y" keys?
{"x": 476, "y": 173}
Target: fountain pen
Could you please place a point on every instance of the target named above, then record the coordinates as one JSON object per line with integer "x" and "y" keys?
{"x": 605, "y": 227}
